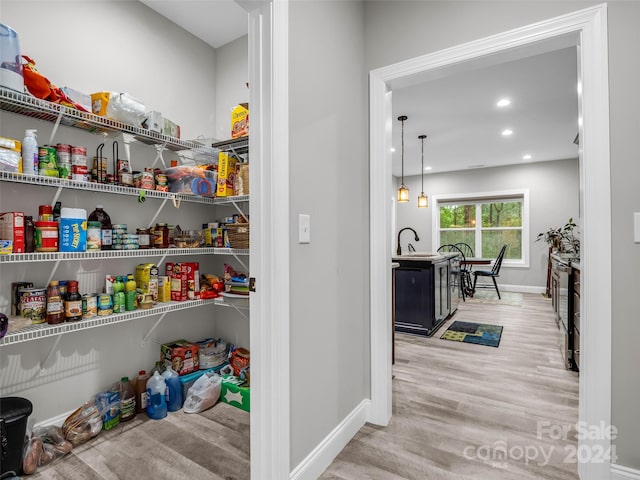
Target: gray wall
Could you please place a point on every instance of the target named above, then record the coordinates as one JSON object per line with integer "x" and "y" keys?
{"x": 553, "y": 199}
{"x": 329, "y": 276}
{"x": 424, "y": 27}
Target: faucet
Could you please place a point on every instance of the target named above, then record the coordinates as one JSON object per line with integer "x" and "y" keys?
{"x": 399, "y": 250}
{"x": 410, "y": 247}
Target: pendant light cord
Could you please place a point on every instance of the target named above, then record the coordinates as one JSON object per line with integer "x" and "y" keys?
{"x": 422, "y": 163}
{"x": 402, "y": 182}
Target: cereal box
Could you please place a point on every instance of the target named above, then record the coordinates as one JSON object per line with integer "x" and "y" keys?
{"x": 180, "y": 355}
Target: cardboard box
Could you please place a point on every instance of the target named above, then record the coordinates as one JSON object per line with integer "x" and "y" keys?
{"x": 240, "y": 120}
{"x": 12, "y": 228}
{"x": 234, "y": 394}
{"x": 185, "y": 280}
{"x": 73, "y": 230}
{"x": 180, "y": 355}
{"x": 226, "y": 175}
{"x": 170, "y": 128}
{"x": 147, "y": 279}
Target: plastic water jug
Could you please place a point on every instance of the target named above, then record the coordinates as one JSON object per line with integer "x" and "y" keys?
{"x": 174, "y": 389}
{"x": 11, "y": 75}
{"x": 157, "y": 399}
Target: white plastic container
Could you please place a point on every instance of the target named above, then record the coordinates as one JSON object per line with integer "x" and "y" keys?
{"x": 30, "y": 153}
{"x": 11, "y": 75}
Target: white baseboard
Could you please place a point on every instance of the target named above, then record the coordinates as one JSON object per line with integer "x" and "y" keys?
{"x": 618, "y": 472}
{"x": 321, "y": 457}
{"x": 57, "y": 420}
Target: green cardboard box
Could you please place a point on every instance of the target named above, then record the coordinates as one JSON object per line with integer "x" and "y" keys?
{"x": 233, "y": 393}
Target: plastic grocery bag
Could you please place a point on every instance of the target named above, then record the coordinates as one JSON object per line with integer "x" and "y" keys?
{"x": 203, "y": 394}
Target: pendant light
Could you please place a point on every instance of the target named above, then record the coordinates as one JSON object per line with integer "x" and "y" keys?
{"x": 403, "y": 191}
{"x": 423, "y": 200}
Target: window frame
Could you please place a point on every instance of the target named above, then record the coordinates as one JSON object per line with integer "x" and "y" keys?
{"x": 487, "y": 197}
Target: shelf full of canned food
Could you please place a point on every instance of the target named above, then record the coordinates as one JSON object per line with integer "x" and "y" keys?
{"x": 105, "y": 254}
{"x": 43, "y": 330}
{"x": 116, "y": 189}
{"x": 15, "y": 102}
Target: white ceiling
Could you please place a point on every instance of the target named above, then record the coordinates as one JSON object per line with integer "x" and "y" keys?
{"x": 458, "y": 113}
{"x": 455, "y": 108}
{"x": 214, "y": 21}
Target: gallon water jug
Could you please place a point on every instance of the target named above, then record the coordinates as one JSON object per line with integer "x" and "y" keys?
{"x": 11, "y": 75}
{"x": 157, "y": 400}
{"x": 174, "y": 388}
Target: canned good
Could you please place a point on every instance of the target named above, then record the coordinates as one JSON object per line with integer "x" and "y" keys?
{"x": 33, "y": 304}
{"x": 47, "y": 158}
{"x": 89, "y": 305}
{"x": 79, "y": 156}
{"x": 105, "y": 304}
{"x": 125, "y": 178}
{"x": 63, "y": 153}
{"x": 79, "y": 173}
{"x": 162, "y": 183}
{"x": 93, "y": 235}
{"x": 49, "y": 173}
{"x": 64, "y": 170}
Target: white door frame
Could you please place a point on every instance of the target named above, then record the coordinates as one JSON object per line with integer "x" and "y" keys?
{"x": 269, "y": 213}
{"x": 595, "y": 375}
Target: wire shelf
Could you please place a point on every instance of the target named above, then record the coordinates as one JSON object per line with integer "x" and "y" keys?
{"x": 29, "y": 106}
{"x": 236, "y": 199}
{"x": 104, "y": 254}
{"x": 231, "y": 251}
{"x": 43, "y": 330}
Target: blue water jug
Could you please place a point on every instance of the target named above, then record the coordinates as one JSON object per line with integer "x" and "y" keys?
{"x": 174, "y": 389}
{"x": 157, "y": 401}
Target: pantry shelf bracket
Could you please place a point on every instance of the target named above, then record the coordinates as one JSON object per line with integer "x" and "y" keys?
{"x": 240, "y": 312}
{"x": 155, "y": 325}
{"x": 55, "y": 128}
{"x": 53, "y": 271}
{"x": 242, "y": 214}
{"x": 57, "y": 195}
{"x": 159, "y": 151}
{"x": 239, "y": 260}
{"x": 43, "y": 371}
{"x": 158, "y": 212}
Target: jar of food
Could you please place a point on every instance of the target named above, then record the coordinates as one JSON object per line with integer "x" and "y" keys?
{"x": 161, "y": 233}
{"x": 93, "y": 235}
{"x": 46, "y": 237}
{"x": 45, "y": 213}
{"x": 144, "y": 238}
{"x": 73, "y": 302}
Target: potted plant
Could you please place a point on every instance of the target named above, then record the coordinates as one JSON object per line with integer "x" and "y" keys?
{"x": 562, "y": 239}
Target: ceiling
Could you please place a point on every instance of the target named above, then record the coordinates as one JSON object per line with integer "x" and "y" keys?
{"x": 216, "y": 22}
{"x": 455, "y": 108}
{"x": 458, "y": 113}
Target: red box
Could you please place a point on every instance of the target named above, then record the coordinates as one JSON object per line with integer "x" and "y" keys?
{"x": 180, "y": 355}
{"x": 12, "y": 228}
{"x": 185, "y": 280}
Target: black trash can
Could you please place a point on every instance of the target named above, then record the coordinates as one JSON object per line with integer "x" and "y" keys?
{"x": 14, "y": 412}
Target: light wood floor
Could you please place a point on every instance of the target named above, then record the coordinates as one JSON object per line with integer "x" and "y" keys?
{"x": 456, "y": 408}
{"x": 464, "y": 411}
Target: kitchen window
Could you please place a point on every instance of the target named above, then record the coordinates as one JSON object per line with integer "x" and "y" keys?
{"x": 485, "y": 222}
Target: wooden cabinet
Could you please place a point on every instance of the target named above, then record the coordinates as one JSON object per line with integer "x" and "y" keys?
{"x": 576, "y": 317}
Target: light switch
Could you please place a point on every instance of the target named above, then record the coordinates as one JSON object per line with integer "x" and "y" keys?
{"x": 304, "y": 228}
{"x": 636, "y": 227}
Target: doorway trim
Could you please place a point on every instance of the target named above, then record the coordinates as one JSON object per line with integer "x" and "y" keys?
{"x": 595, "y": 199}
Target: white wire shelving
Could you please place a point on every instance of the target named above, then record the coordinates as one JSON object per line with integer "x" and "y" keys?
{"x": 44, "y": 330}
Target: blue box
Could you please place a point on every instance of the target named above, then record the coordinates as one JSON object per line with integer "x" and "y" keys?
{"x": 73, "y": 235}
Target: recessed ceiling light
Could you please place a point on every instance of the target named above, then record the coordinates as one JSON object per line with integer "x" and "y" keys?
{"x": 503, "y": 102}
{"x": 507, "y": 132}
{"x": 527, "y": 157}
{"x": 427, "y": 168}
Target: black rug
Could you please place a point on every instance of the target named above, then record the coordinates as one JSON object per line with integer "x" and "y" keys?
{"x": 478, "y": 333}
